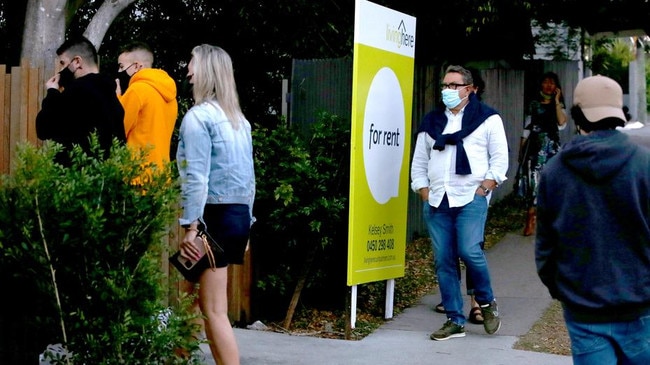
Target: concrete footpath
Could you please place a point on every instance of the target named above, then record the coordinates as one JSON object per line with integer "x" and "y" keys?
{"x": 404, "y": 339}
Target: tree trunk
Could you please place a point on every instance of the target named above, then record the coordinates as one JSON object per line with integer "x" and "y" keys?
{"x": 44, "y": 32}
{"x": 46, "y": 22}
{"x": 107, "y": 12}
{"x": 298, "y": 289}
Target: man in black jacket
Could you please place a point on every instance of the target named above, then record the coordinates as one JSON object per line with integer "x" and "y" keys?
{"x": 593, "y": 231}
{"x": 80, "y": 101}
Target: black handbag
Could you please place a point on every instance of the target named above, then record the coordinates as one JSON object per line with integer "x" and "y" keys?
{"x": 192, "y": 269}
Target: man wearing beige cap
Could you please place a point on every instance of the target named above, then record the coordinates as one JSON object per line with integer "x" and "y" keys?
{"x": 593, "y": 231}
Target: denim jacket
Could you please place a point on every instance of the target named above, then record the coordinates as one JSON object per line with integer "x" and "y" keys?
{"x": 215, "y": 161}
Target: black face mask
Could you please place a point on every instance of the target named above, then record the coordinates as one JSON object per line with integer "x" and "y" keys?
{"x": 124, "y": 79}
{"x": 65, "y": 77}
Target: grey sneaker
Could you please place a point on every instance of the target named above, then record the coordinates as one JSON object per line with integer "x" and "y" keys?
{"x": 448, "y": 330}
{"x": 491, "y": 320}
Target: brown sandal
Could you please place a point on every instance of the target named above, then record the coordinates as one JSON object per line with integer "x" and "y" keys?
{"x": 475, "y": 316}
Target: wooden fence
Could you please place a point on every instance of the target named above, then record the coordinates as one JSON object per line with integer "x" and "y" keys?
{"x": 21, "y": 93}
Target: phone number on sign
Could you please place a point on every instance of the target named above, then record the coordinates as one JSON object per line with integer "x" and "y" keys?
{"x": 380, "y": 244}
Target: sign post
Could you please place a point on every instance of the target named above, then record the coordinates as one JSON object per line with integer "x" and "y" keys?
{"x": 382, "y": 95}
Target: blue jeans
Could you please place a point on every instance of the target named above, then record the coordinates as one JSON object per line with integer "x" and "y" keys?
{"x": 620, "y": 343}
{"x": 458, "y": 232}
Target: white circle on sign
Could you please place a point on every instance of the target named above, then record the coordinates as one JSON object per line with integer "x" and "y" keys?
{"x": 383, "y": 135}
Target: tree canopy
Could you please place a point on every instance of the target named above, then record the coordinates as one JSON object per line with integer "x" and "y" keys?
{"x": 264, "y": 37}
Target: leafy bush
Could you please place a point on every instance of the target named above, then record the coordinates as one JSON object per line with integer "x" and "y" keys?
{"x": 302, "y": 231}
{"x": 85, "y": 242}
{"x": 302, "y": 213}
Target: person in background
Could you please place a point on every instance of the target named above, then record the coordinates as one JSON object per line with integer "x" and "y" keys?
{"x": 474, "y": 315}
{"x": 460, "y": 156}
{"x": 80, "y": 101}
{"x": 540, "y": 140}
{"x": 215, "y": 163}
{"x": 592, "y": 245}
{"x": 638, "y": 132}
{"x": 148, "y": 96}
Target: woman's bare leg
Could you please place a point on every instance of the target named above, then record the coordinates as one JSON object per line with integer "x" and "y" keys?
{"x": 213, "y": 300}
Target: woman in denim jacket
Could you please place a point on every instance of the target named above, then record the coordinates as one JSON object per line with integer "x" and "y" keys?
{"x": 215, "y": 163}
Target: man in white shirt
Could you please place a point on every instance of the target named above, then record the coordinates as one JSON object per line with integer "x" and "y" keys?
{"x": 461, "y": 155}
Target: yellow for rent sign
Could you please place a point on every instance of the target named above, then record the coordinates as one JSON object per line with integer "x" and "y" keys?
{"x": 382, "y": 93}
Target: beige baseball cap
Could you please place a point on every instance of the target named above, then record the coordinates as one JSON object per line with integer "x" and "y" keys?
{"x": 599, "y": 97}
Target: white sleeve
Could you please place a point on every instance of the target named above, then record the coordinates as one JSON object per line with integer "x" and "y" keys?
{"x": 420, "y": 163}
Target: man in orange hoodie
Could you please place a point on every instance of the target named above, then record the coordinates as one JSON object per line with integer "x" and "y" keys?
{"x": 148, "y": 96}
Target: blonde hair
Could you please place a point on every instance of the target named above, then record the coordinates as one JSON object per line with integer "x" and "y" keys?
{"x": 214, "y": 80}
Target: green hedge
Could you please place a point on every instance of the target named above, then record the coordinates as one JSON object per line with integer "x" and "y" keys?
{"x": 80, "y": 250}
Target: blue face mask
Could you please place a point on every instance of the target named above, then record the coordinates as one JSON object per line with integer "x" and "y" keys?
{"x": 451, "y": 98}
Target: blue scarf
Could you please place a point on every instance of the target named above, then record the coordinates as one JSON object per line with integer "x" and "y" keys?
{"x": 434, "y": 123}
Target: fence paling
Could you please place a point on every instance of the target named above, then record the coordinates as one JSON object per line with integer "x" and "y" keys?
{"x": 4, "y": 120}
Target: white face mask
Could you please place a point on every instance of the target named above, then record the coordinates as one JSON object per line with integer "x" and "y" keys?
{"x": 451, "y": 98}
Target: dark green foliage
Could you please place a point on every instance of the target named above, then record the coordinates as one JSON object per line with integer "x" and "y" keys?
{"x": 302, "y": 212}
{"x": 85, "y": 242}
{"x": 612, "y": 58}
